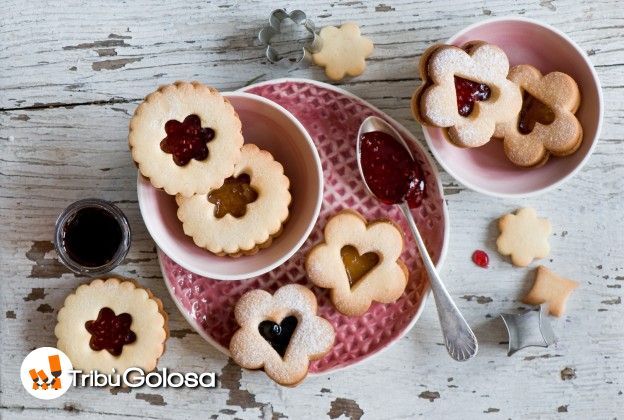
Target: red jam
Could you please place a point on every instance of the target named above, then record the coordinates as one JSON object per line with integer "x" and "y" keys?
{"x": 278, "y": 335}
{"x": 389, "y": 171}
{"x": 468, "y": 92}
{"x": 533, "y": 111}
{"x": 110, "y": 332}
{"x": 481, "y": 258}
{"x": 186, "y": 140}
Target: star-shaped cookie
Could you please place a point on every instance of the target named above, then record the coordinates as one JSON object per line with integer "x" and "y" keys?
{"x": 552, "y": 289}
{"x": 523, "y": 236}
{"x": 343, "y": 51}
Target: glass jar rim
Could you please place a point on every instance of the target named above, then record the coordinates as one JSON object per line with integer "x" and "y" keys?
{"x": 119, "y": 255}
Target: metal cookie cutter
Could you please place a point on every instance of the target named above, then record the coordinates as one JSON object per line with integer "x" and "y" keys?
{"x": 527, "y": 329}
{"x": 278, "y": 16}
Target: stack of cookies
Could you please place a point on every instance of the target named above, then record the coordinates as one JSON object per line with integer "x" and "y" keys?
{"x": 471, "y": 93}
{"x": 232, "y": 198}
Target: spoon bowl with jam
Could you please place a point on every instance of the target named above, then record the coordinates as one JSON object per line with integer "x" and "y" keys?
{"x": 391, "y": 174}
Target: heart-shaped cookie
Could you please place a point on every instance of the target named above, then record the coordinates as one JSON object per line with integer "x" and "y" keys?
{"x": 359, "y": 262}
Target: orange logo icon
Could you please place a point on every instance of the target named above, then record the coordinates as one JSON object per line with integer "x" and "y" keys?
{"x": 55, "y": 370}
{"x": 46, "y": 369}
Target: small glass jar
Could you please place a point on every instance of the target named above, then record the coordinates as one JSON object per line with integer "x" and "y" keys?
{"x": 69, "y": 220}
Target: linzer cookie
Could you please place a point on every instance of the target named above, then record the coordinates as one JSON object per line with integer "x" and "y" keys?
{"x": 112, "y": 324}
{"x": 185, "y": 138}
{"x": 466, "y": 91}
{"x": 546, "y": 123}
{"x": 245, "y": 213}
{"x": 359, "y": 262}
{"x": 280, "y": 333}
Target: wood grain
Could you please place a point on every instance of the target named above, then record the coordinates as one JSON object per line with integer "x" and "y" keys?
{"x": 71, "y": 74}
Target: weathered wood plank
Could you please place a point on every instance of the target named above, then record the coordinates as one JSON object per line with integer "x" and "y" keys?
{"x": 124, "y": 54}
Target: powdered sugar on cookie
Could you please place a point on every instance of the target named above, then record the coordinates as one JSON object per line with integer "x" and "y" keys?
{"x": 359, "y": 262}
{"x": 284, "y": 351}
{"x": 467, "y": 92}
{"x": 546, "y": 123}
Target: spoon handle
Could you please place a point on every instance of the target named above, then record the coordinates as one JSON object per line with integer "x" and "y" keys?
{"x": 460, "y": 341}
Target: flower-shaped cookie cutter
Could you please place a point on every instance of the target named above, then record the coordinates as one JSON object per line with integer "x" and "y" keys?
{"x": 310, "y": 46}
{"x": 528, "y": 329}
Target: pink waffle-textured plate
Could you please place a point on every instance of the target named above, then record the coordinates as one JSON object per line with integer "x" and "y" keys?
{"x": 332, "y": 117}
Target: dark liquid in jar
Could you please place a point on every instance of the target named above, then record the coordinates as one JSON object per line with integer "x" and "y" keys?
{"x": 92, "y": 237}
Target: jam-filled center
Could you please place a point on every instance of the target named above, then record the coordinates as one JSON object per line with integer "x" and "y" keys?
{"x": 110, "y": 332}
{"x": 186, "y": 140}
{"x": 533, "y": 111}
{"x": 233, "y": 196}
{"x": 278, "y": 335}
{"x": 356, "y": 265}
{"x": 468, "y": 92}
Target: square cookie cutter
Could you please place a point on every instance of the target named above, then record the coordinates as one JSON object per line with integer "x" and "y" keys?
{"x": 312, "y": 44}
{"x": 528, "y": 329}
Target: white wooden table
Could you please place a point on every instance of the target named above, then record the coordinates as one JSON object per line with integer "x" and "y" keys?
{"x": 71, "y": 74}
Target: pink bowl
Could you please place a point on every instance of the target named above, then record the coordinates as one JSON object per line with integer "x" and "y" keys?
{"x": 486, "y": 169}
{"x": 272, "y": 128}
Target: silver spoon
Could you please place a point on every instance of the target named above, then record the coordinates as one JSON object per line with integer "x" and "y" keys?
{"x": 460, "y": 341}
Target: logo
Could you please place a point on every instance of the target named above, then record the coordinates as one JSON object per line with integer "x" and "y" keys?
{"x": 46, "y": 373}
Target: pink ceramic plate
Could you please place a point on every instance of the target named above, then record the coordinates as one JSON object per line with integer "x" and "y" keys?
{"x": 332, "y": 117}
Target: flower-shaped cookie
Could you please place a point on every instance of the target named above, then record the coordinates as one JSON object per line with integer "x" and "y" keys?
{"x": 245, "y": 213}
{"x": 359, "y": 261}
{"x": 466, "y": 91}
{"x": 343, "y": 51}
{"x": 523, "y": 236}
{"x": 280, "y": 333}
{"x": 112, "y": 324}
{"x": 185, "y": 138}
{"x": 546, "y": 123}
